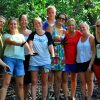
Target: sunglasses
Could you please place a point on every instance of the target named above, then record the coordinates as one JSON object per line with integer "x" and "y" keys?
{"x": 61, "y": 18}
{"x": 97, "y": 25}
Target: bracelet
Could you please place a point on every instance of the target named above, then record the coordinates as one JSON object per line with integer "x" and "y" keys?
{"x": 23, "y": 44}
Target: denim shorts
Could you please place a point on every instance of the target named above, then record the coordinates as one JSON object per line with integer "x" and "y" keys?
{"x": 45, "y": 68}
{"x": 16, "y": 66}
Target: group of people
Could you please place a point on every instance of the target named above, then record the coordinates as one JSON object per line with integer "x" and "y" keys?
{"x": 55, "y": 49}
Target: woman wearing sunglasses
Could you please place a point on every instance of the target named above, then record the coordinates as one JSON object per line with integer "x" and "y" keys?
{"x": 60, "y": 76}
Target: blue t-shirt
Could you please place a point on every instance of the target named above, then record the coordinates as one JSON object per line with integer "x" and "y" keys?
{"x": 40, "y": 45}
{"x": 45, "y": 25}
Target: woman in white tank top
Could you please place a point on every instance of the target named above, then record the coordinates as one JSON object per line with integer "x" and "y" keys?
{"x": 84, "y": 59}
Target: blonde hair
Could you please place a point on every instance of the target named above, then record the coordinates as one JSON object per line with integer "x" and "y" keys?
{"x": 37, "y": 19}
{"x": 86, "y": 25}
{"x": 51, "y": 7}
{"x": 3, "y": 19}
{"x": 15, "y": 19}
{"x": 71, "y": 20}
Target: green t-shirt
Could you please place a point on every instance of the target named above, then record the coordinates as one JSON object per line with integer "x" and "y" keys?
{"x": 13, "y": 51}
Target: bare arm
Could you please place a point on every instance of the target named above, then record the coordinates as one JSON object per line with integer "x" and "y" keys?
{"x": 51, "y": 49}
{"x": 92, "y": 42}
{"x": 30, "y": 44}
{"x": 4, "y": 65}
{"x": 11, "y": 42}
{"x": 29, "y": 47}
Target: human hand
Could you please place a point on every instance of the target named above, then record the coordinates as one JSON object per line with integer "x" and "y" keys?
{"x": 33, "y": 53}
{"x": 89, "y": 68}
{"x": 6, "y": 67}
{"x": 22, "y": 44}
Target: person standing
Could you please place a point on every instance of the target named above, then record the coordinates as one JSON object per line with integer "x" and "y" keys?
{"x": 2, "y": 22}
{"x": 47, "y": 26}
{"x": 58, "y": 65}
{"x": 13, "y": 57}
{"x": 71, "y": 39}
{"x": 42, "y": 43}
{"x": 96, "y": 67}
{"x": 23, "y": 22}
{"x": 85, "y": 57}
{"x": 51, "y": 13}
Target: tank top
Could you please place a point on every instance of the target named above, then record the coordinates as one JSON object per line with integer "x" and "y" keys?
{"x": 84, "y": 52}
{"x": 97, "y": 56}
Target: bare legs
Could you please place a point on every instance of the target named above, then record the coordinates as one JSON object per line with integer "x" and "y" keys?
{"x": 61, "y": 79}
{"x": 6, "y": 82}
{"x": 44, "y": 78}
{"x": 90, "y": 85}
{"x": 44, "y": 85}
{"x": 73, "y": 85}
{"x": 65, "y": 84}
{"x": 19, "y": 84}
{"x": 4, "y": 88}
{"x": 34, "y": 77}
{"x": 57, "y": 85}
{"x": 51, "y": 80}
{"x": 26, "y": 90}
{"x": 83, "y": 85}
{"x": 86, "y": 79}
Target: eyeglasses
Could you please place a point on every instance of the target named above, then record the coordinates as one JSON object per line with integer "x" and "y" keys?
{"x": 97, "y": 25}
{"x": 63, "y": 19}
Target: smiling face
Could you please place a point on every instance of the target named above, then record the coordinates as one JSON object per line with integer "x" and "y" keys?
{"x": 83, "y": 28}
{"x": 2, "y": 22}
{"x": 23, "y": 21}
{"x": 12, "y": 25}
{"x": 71, "y": 25}
{"x": 61, "y": 19}
{"x": 37, "y": 23}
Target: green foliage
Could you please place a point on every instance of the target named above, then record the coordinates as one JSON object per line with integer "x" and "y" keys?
{"x": 14, "y": 8}
{"x": 81, "y": 10}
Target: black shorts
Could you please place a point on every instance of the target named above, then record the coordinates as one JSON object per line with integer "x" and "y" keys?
{"x": 27, "y": 77}
{"x": 82, "y": 67}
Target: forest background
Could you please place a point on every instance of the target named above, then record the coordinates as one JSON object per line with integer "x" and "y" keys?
{"x": 81, "y": 10}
